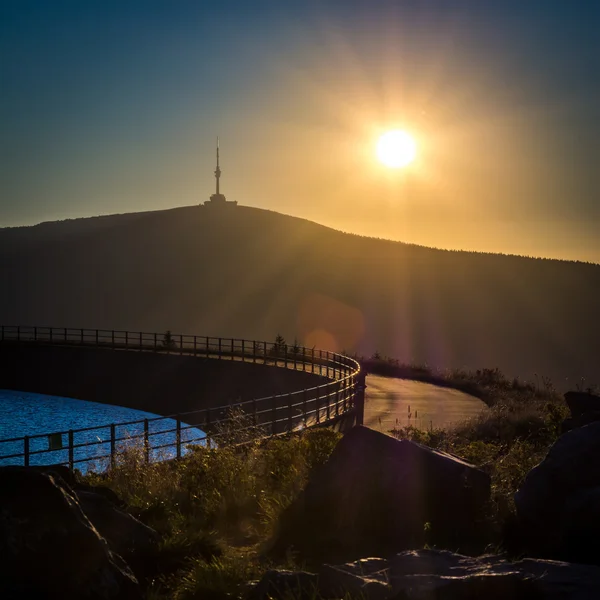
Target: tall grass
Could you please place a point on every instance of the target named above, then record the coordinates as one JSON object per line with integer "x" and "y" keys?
{"x": 216, "y": 506}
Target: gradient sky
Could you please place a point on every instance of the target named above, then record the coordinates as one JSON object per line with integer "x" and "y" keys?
{"x": 111, "y": 106}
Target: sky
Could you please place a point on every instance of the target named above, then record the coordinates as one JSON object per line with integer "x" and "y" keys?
{"x": 114, "y": 106}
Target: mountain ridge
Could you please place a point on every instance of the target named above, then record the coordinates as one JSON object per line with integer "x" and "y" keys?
{"x": 252, "y": 273}
{"x": 131, "y": 216}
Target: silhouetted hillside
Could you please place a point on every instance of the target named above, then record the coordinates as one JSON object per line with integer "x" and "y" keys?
{"x": 251, "y": 273}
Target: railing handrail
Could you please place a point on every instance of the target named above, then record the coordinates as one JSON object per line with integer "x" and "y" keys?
{"x": 342, "y": 373}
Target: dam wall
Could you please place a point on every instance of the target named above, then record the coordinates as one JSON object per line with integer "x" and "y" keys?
{"x": 165, "y": 384}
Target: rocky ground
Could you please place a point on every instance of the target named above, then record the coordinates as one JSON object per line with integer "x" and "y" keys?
{"x": 381, "y": 518}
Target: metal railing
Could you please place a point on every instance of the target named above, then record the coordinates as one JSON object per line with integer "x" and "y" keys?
{"x": 341, "y": 396}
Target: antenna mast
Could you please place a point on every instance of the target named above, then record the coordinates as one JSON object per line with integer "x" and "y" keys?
{"x": 218, "y": 169}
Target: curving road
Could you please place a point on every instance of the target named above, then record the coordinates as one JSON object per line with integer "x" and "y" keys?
{"x": 388, "y": 402}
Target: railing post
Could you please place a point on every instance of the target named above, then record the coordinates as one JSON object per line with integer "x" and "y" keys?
{"x": 65, "y": 334}
{"x": 51, "y": 334}
{"x": 113, "y": 444}
{"x": 96, "y": 337}
{"x": 113, "y": 339}
{"x": 265, "y": 353}
{"x": 178, "y": 437}
{"x": 146, "y": 442}
{"x": 81, "y": 337}
{"x": 359, "y": 397}
{"x": 26, "y": 451}
{"x": 304, "y": 419}
{"x": 207, "y": 421}
{"x": 71, "y": 450}
{"x": 328, "y": 413}
{"x": 318, "y": 405}
{"x": 127, "y": 339}
{"x": 243, "y": 350}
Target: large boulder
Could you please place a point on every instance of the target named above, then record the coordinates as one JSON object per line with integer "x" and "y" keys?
{"x": 284, "y": 585}
{"x": 580, "y": 403}
{"x": 557, "y": 505}
{"x": 135, "y": 542}
{"x": 580, "y": 420}
{"x": 49, "y": 548}
{"x": 436, "y": 575}
{"x": 131, "y": 539}
{"x": 377, "y": 495}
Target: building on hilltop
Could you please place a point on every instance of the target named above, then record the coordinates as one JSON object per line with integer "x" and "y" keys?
{"x": 219, "y": 199}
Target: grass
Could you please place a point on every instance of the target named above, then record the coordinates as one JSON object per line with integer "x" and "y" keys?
{"x": 216, "y": 508}
{"x": 490, "y": 385}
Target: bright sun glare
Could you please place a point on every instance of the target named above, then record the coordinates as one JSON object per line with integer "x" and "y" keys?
{"x": 396, "y": 149}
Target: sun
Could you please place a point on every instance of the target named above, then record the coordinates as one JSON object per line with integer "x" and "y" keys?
{"x": 396, "y": 148}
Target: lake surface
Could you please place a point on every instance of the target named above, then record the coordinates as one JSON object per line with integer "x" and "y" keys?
{"x": 26, "y": 414}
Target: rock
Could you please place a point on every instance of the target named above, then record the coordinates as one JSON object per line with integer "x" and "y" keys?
{"x": 285, "y": 585}
{"x": 49, "y": 548}
{"x": 439, "y": 575}
{"x": 377, "y": 495}
{"x": 580, "y": 420}
{"x": 131, "y": 539}
{"x": 57, "y": 471}
{"x": 366, "y": 579}
{"x": 555, "y": 504}
{"x": 70, "y": 479}
{"x": 135, "y": 542}
{"x": 100, "y": 490}
{"x": 428, "y": 574}
{"x": 580, "y": 403}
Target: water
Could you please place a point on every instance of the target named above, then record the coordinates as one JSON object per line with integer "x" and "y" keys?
{"x": 27, "y": 414}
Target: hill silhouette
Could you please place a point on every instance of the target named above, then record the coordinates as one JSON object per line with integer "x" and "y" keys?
{"x": 247, "y": 272}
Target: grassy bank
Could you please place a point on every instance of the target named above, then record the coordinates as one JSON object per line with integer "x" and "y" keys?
{"x": 489, "y": 385}
{"x": 216, "y": 509}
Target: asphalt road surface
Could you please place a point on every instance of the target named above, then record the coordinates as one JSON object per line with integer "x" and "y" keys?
{"x": 393, "y": 402}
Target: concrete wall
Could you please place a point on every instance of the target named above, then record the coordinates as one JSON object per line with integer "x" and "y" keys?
{"x": 159, "y": 383}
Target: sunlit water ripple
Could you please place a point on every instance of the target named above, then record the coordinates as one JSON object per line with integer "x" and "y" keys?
{"x": 27, "y": 414}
